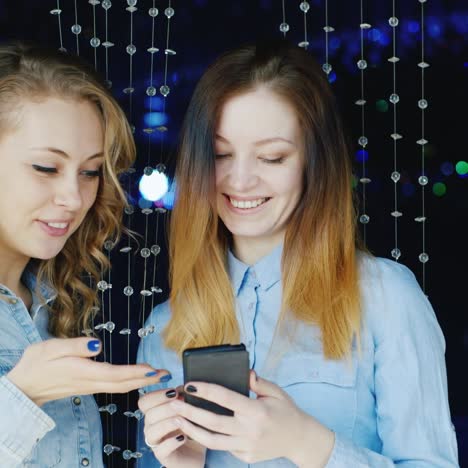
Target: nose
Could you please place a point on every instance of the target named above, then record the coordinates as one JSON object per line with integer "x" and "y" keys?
{"x": 68, "y": 194}
{"x": 242, "y": 174}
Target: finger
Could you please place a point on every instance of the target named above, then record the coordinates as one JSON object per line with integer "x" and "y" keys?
{"x": 221, "y": 395}
{"x": 159, "y": 413}
{"x": 157, "y": 433}
{"x": 167, "y": 447}
{"x": 208, "y": 419}
{"x": 263, "y": 387}
{"x": 154, "y": 399}
{"x": 57, "y": 348}
{"x": 211, "y": 440}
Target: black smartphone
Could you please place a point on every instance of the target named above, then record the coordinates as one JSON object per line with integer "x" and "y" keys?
{"x": 226, "y": 365}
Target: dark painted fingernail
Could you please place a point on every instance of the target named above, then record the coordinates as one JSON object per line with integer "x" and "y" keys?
{"x": 94, "y": 345}
{"x": 180, "y": 438}
{"x": 150, "y": 374}
{"x": 171, "y": 393}
{"x": 191, "y": 389}
{"x": 165, "y": 378}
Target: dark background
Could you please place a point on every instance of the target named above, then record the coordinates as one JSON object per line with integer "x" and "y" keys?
{"x": 202, "y": 29}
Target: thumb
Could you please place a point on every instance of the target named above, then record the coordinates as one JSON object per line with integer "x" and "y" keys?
{"x": 263, "y": 387}
{"x": 78, "y": 347}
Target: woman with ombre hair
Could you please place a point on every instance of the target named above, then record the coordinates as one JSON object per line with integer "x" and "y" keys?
{"x": 64, "y": 141}
{"x": 346, "y": 353}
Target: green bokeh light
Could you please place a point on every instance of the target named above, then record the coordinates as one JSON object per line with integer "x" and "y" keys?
{"x": 439, "y": 189}
{"x": 354, "y": 181}
{"x": 381, "y": 105}
{"x": 461, "y": 167}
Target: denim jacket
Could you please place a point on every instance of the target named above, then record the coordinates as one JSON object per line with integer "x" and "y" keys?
{"x": 61, "y": 433}
{"x": 388, "y": 405}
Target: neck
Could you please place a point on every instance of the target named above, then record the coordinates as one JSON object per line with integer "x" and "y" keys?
{"x": 11, "y": 269}
{"x": 250, "y": 249}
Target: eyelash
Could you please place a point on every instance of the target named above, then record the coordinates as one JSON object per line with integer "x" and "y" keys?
{"x": 53, "y": 170}
{"x": 268, "y": 161}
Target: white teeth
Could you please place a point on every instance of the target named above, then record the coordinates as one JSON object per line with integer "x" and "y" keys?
{"x": 247, "y": 204}
{"x": 58, "y": 225}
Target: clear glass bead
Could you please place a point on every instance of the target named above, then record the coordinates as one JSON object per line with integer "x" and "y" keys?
{"x": 161, "y": 128}
{"x": 160, "y": 209}
{"x": 423, "y": 180}
{"x": 129, "y": 209}
{"x": 422, "y": 104}
{"x": 396, "y": 253}
{"x": 108, "y": 83}
{"x": 127, "y": 454}
{"x": 360, "y": 102}
{"x": 364, "y": 219}
{"x": 109, "y": 326}
{"x": 151, "y": 91}
{"x": 394, "y": 98}
{"x": 109, "y": 448}
{"x": 365, "y": 180}
{"x": 125, "y": 331}
{"x": 155, "y": 249}
{"x": 393, "y": 59}
{"x": 131, "y": 49}
{"x": 327, "y": 68}
{"x": 396, "y": 214}
{"x": 103, "y": 285}
{"x": 143, "y": 332}
{"x": 328, "y": 29}
{"x": 161, "y": 168}
{"x": 303, "y": 44}
{"x": 132, "y": 3}
{"x": 304, "y": 6}
{"x": 422, "y": 142}
{"x": 395, "y": 176}
{"x": 170, "y": 52}
{"x": 106, "y": 4}
{"x": 95, "y": 42}
{"x": 365, "y": 26}
{"x": 125, "y": 249}
{"x": 146, "y": 293}
{"x": 145, "y": 252}
{"x": 284, "y": 27}
{"x": 420, "y": 219}
{"x": 363, "y": 141}
{"x": 423, "y": 65}
{"x": 396, "y": 136}
{"x": 164, "y": 90}
{"x": 108, "y": 245}
{"x": 169, "y": 12}
{"x": 152, "y": 50}
{"x": 156, "y": 290}
{"x": 423, "y": 257}
{"x": 148, "y": 170}
{"x": 128, "y": 90}
{"x": 393, "y": 21}
{"x": 94, "y": 2}
{"x": 146, "y": 211}
{"x": 56, "y": 11}
{"x": 362, "y": 64}
{"x": 128, "y": 290}
{"x": 153, "y": 12}
{"x": 76, "y": 29}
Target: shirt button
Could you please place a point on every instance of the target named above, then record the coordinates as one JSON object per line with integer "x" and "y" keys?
{"x": 77, "y": 401}
{"x": 12, "y": 301}
{"x": 84, "y": 461}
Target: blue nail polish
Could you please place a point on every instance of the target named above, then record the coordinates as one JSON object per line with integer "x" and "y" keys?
{"x": 150, "y": 374}
{"x": 165, "y": 378}
{"x": 94, "y": 345}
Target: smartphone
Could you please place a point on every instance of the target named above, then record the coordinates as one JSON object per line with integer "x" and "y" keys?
{"x": 226, "y": 365}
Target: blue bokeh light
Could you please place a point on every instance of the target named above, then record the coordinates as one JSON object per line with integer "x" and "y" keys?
{"x": 155, "y": 103}
{"x": 332, "y": 77}
{"x": 362, "y": 155}
{"x": 408, "y": 189}
{"x": 447, "y": 168}
{"x": 154, "y": 119}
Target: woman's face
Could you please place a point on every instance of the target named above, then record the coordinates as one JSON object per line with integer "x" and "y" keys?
{"x": 259, "y": 165}
{"x": 49, "y": 176}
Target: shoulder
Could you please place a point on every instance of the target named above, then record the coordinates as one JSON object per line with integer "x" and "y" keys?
{"x": 393, "y": 302}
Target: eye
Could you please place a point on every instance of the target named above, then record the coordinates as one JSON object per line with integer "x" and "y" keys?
{"x": 45, "y": 169}
{"x": 274, "y": 161}
{"x": 91, "y": 174}
{"x": 221, "y": 156}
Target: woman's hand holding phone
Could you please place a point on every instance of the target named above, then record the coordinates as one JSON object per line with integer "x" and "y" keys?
{"x": 163, "y": 434}
{"x": 61, "y": 367}
{"x": 261, "y": 429}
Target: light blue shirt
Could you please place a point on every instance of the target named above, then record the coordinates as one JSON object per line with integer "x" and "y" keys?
{"x": 62, "y": 433}
{"x": 388, "y": 407}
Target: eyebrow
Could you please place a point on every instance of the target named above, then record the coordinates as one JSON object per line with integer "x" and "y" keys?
{"x": 63, "y": 154}
{"x": 264, "y": 141}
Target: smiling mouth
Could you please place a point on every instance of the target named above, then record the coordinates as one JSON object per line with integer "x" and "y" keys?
{"x": 247, "y": 204}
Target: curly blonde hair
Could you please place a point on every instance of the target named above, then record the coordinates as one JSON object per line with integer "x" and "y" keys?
{"x": 36, "y": 73}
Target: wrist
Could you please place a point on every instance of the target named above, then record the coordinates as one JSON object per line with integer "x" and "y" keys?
{"x": 313, "y": 445}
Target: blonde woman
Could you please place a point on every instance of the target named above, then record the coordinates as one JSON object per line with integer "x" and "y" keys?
{"x": 346, "y": 353}
{"x": 63, "y": 143}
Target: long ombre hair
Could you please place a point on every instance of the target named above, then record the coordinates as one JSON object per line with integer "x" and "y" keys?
{"x": 28, "y": 72}
{"x": 319, "y": 268}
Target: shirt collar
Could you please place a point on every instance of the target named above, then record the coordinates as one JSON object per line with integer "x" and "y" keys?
{"x": 267, "y": 271}
{"x": 30, "y": 281}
